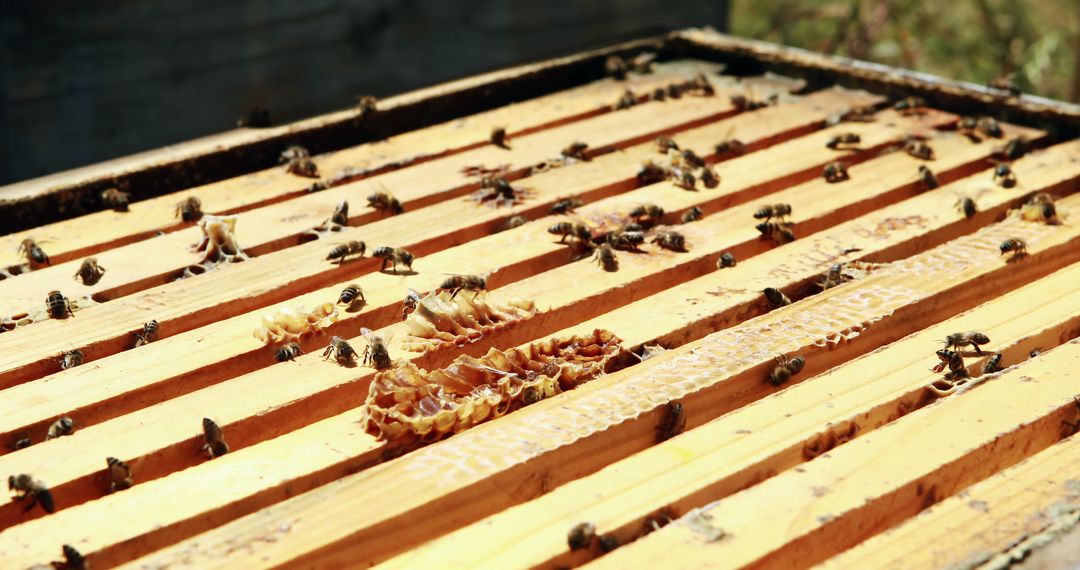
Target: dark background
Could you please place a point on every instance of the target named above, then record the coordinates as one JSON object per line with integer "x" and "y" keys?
{"x": 86, "y": 81}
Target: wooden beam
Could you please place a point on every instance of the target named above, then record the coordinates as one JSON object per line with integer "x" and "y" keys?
{"x": 799, "y": 518}
{"x": 438, "y": 489}
{"x": 740, "y": 449}
{"x": 85, "y": 235}
{"x": 995, "y": 522}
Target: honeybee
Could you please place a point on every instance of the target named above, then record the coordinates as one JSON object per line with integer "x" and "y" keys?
{"x": 779, "y": 232}
{"x": 384, "y": 202}
{"x": 651, "y": 173}
{"x": 28, "y": 488}
{"x": 350, "y": 294}
{"x": 189, "y": 210}
{"x": 626, "y": 240}
{"x": 928, "y": 178}
{"x": 954, "y": 360}
{"x": 341, "y": 214}
{"x": 726, "y": 259}
{"x": 257, "y": 118}
{"x": 773, "y": 211}
{"x": 910, "y": 105}
{"x": 692, "y": 215}
{"x": 615, "y": 66}
{"x": 514, "y": 222}
{"x": 33, "y": 252}
{"x": 58, "y": 305}
{"x": 833, "y": 277}
{"x": 1004, "y": 176}
{"x": 701, "y": 85}
{"x": 215, "y": 440}
{"x": 730, "y": 147}
{"x": 664, "y": 144}
{"x": 967, "y": 206}
{"x": 659, "y": 94}
{"x": 22, "y": 443}
{"x": 60, "y": 428}
{"x": 918, "y": 149}
{"x": 626, "y": 100}
{"x": 412, "y": 298}
{"x": 149, "y": 334}
{"x": 342, "y": 351}
{"x": 776, "y": 298}
{"x": 73, "y": 560}
{"x": 785, "y": 369}
{"x": 692, "y": 159}
{"x": 992, "y": 364}
{"x": 957, "y": 374}
{"x": 864, "y": 114}
{"x": 684, "y": 179}
{"x": 565, "y": 205}
{"x": 298, "y": 161}
{"x": 835, "y": 172}
{"x": 843, "y": 140}
{"x": 1016, "y": 246}
{"x": 989, "y": 127}
{"x": 576, "y": 150}
{"x": 673, "y": 424}
{"x": 651, "y": 211}
{"x": 366, "y": 104}
{"x": 675, "y": 90}
{"x": 670, "y": 240}
{"x": 1005, "y": 83}
{"x": 567, "y": 229}
{"x": 709, "y": 177}
{"x": 745, "y": 103}
{"x": 344, "y": 250}
{"x": 608, "y": 542}
{"x": 375, "y": 355}
{"x": 499, "y": 138}
{"x": 288, "y": 351}
{"x": 1016, "y": 147}
{"x": 89, "y": 272}
{"x": 393, "y": 255}
{"x": 119, "y": 475}
{"x": 605, "y": 257}
{"x": 115, "y": 199}
{"x": 643, "y": 62}
{"x": 457, "y": 283}
{"x": 581, "y": 536}
{"x": 70, "y": 359}
{"x": 1040, "y": 207}
{"x": 970, "y": 338}
{"x": 633, "y": 227}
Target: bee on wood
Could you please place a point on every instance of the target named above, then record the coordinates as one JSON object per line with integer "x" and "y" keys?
{"x": 684, "y": 179}
{"x": 576, "y": 150}
{"x": 342, "y": 251}
{"x": 33, "y": 253}
{"x": 341, "y": 214}
{"x": 992, "y": 364}
{"x": 918, "y": 149}
{"x": 27, "y": 488}
{"x": 957, "y": 374}
{"x": 71, "y": 359}
{"x": 727, "y": 259}
{"x": 393, "y": 255}
{"x": 664, "y": 144}
{"x": 342, "y": 351}
{"x": 1040, "y": 207}
{"x": 565, "y": 205}
{"x": 967, "y": 206}
{"x": 317, "y": 186}
{"x": 709, "y": 177}
{"x": 771, "y": 211}
{"x": 58, "y": 306}
{"x": 1005, "y": 84}
{"x": 22, "y": 443}
{"x": 298, "y": 161}
{"x": 970, "y": 338}
{"x": 633, "y": 227}
{"x": 643, "y": 62}
{"x": 375, "y": 355}
{"x": 658, "y": 94}
{"x": 779, "y": 232}
{"x": 745, "y": 103}
{"x": 499, "y": 138}
{"x": 776, "y": 298}
{"x": 1014, "y": 245}
{"x": 119, "y": 475}
{"x": 673, "y": 424}
{"x": 89, "y": 272}
{"x": 384, "y": 202}
{"x": 833, "y": 277}
{"x": 670, "y": 240}
{"x": 910, "y": 105}
{"x": 581, "y": 536}
{"x": 457, "y": 283}
{"x": 835, "y": 172}
{"x": 954, "y": 360}
{"x": 615, "y": 66}
{"x": 864, "y": 114}
{"x": 608, "y": 542}
{"x": 215, "y": 440}
{"x": 628, "y": 241}
{"x": 651, "y": 173}
{"x": 1016, "y": 148}
{"x": 366, "y": 104}
{"x": 730, "y": 147}
{"x": 60, "y": 428}
{"x": 928, "y": 178}
{"x": 651, "y": 211}
{"x": 605, "y": 257}
{"x": 785, "y": 369}
{"x": 513, "y": 222}
{"x": 845, "y": 140}
{"x": 115, "y": 199}
{"x": 692, "y": 215}
{"x": 73, "y": 560}
{"x": 1004, "y": 176}
{"x": 257, "y": 118}
{"x": 189, "y": 210}
{"x": 149, "y": 334}
{"x": 701, "y": 85}
{"x": 412, "y": 298}
{"x": 989, "y": 127}
{"x": 675, "y": 90}
{"x": 692, "y": 159}
{"x": 288, "y": 351}
{"x": 350, "y": 295}
{"x": 627, "y": 100}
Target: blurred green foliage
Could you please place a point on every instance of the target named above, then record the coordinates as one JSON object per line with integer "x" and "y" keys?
{"x": 1035, "y": 42}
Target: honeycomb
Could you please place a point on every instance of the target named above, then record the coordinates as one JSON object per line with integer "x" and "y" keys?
{"x": 440, "y": 321}
{"x": 219, "y": 244}
{"x": 287, "y": 324}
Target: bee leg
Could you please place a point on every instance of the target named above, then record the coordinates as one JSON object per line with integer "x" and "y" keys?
{"x": 383, "y": 268}
{"x": 454, "y": 294}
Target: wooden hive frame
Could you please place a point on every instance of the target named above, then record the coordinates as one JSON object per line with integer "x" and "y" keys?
{"x": 863, "y": 458}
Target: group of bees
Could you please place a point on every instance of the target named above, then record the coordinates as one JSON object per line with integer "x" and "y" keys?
{"x": 679, "y": 166}
{"x": 954, "y": 359}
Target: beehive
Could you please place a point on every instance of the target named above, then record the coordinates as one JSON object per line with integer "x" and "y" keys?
{"x": 690, "y": 451}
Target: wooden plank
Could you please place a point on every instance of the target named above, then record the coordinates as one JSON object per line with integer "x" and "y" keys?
{"x": 441, "y": 487}
{"x": 1000, "y": 520}
{"x": 750, "y": 444}
{"x": 878, "y": 480}
{"x": 89, "y": 234}
{"x": 303, "y": 267}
